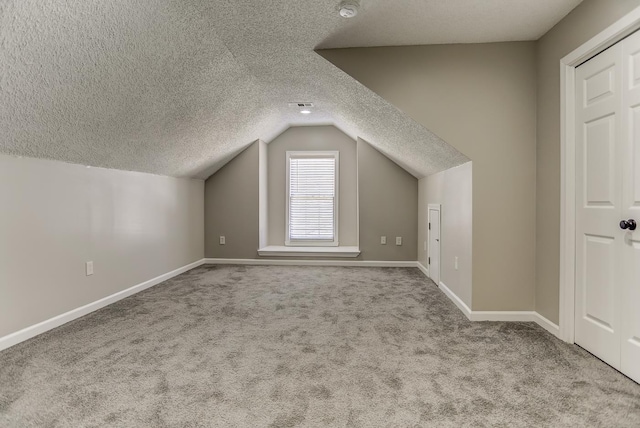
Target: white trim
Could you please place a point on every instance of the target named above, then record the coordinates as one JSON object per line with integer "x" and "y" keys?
{"x": 605, "y": 39}
{"x": 36, "y": 329}
{"x": 424, "y": 270}
{"x": 546, "y": 324}
{"x": 508, "y": 316}
{"x": 44, "y": 326}
{"x": 610, "y": 36}
{"x": 288, "y": 262}
{"x": 263, "y": 214}
{"x": 283, "y": 251}
{"x": 522, "y": 316}
{"x": 455, "y": 299}
{"x": 567, "y": 204}
{"x": 511, "y": 316}
{"x": 357, "y": 195}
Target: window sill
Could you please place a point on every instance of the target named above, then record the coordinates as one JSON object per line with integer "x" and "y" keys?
{"x": 282, "y": 251}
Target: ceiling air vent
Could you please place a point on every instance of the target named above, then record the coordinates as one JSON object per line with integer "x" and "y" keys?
{"x": 301, "y": 105}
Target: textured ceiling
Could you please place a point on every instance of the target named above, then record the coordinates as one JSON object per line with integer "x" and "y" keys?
{"x": 178, "y": 87}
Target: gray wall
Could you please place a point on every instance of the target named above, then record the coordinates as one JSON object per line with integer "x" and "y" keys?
{"x": 231, "y": 207}
{"x": 312, "y": 138}
{"x": 57, "y": 216}
{"x": 388, "y": 206}
{"x": 384, "y": 194}
{"x": 584, "y": 22}
{"x": 452, "y": 189}
{"x": 482, "y": 100}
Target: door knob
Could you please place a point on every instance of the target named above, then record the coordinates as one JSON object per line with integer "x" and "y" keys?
{"x": 628, "y": 224}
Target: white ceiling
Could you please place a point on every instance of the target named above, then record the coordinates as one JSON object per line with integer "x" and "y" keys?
{"x": 178, "y": 87}
{"x": 421, "y": 22}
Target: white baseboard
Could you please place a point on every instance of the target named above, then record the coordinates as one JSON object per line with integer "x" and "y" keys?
{"x": 523, "y": 316}
{"x": 34, "y": 330}
{"x": 423, "y": 268}
{"x": 546, "y": 324}
{"x": 288, "y": 262}
{"x": 455, "y": 299}
{"x": 526, "y": 316}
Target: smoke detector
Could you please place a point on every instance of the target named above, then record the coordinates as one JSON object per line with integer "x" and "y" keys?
{"x": 348, "y": 8}
{"x": 304, "y": 107}
{"x": 301, "y": 105}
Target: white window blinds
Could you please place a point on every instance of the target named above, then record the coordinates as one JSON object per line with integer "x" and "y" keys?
{"x": 312, "y": 197}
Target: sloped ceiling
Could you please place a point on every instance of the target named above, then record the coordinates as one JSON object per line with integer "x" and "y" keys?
{"x": 179, "y": 87}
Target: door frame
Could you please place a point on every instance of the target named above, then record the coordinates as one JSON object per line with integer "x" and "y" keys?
{"x": 605, "y": 39}
{"x": 435, "y": 207}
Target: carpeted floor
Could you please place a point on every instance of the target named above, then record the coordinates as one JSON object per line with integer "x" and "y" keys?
{"x": 266, "y": 346}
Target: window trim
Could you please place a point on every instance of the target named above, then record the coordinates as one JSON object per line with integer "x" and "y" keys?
{"x": 310, "y": 154}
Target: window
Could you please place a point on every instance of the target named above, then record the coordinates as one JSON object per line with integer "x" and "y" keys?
{"x": 312, "y": 198}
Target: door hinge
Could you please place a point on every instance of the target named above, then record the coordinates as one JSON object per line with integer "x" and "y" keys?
{"x": 429, "y": 262}
{"x": 429, "y": 226}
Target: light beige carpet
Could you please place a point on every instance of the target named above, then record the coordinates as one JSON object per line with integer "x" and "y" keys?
{"x": 230, "y": 346}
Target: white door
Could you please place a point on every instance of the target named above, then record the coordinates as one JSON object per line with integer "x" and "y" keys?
{"x": 607, "y": 323}
{"x": 598, "y": 205}
{"x": 630, "y": 351}
{"x": 434, "y": 244}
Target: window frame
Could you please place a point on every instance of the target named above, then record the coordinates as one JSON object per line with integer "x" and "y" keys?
{"x": 335, "y": 154}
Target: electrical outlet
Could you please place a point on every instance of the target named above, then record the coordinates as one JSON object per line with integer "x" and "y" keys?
{"x": 383, "y": 240}
{"x": 455, "y": 263}
{"x": 398, "y": 240}
{"x": 89, "y": 268}
{"x": 222, "y": 240}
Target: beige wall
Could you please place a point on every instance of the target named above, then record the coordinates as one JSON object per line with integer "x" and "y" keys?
{"x": 452, "y": 189}
{"x": 482, "y": 100}
{"x": 57, "y": 216}
{"x": 231, "y": 207}
{"x": 384, "y": 195}
{"x": 584, "y": 22}
{"x": 388, "y": 206}
{"x": 312, "y": 138}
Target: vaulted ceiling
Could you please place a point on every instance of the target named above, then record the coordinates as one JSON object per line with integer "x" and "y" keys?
{"x": 179, "y": 87}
